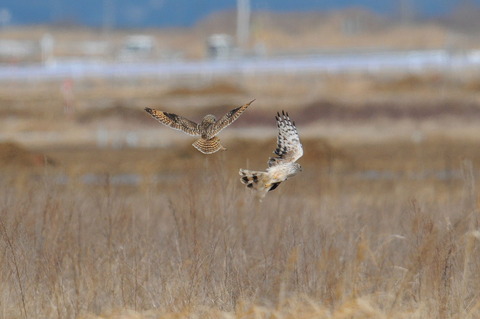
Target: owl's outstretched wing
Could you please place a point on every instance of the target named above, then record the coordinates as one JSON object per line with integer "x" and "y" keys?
{"x": 289, "y": 149}
{"x": 175, "y": 121}
{"x": 229, "y": 118}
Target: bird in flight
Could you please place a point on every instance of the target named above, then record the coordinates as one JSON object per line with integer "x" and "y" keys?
{"x": 208, "y": 142}
{"x": 289, "y": 149}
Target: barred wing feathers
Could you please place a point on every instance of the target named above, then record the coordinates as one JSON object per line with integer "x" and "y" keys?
{"x": 175, "y": 121}
{"x": 230, "y": 117}
{"x": 289, "y": 149}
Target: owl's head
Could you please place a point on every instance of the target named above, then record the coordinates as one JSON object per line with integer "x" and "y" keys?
{"x": 209, "y": 119}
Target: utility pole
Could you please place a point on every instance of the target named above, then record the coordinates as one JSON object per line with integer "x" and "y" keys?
{"x": 406, "y": 11}
{"x": 108, "y": 16}
{"x": 243, "y": 23}
{"x": 56, "y": 11}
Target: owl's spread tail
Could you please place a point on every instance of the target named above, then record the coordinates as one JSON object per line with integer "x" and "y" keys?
{"x": 208, "y": 146}
{"x": 258, "y": 181}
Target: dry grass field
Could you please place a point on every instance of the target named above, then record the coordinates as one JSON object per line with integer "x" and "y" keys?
{"x": 383, "y": 222}
{"x": 378, "y": 231}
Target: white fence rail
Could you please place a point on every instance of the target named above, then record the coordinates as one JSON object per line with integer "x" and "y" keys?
{"x": 406, "y": 61}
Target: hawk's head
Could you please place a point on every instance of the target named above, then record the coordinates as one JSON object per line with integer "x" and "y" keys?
{"x": 294, "y": 169}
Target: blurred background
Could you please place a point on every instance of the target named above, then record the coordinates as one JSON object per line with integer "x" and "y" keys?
{"x": 103, "y": 208}
{"x": 77, "y": 76}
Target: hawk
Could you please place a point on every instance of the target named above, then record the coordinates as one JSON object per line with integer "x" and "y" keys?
{"x": 208, "y": 142}
{"x": 289, "y": 149}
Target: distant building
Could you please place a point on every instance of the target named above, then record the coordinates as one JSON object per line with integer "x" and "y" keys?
{"x": 220, "y": 46}
{"x": 138, "y": 47}
{"x": 14, "y": 51}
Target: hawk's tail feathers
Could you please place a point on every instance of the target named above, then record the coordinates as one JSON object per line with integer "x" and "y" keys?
{"x": 252, "y": 179}
{"x": 208, "y": 146}
{"x": 258, "y": 181}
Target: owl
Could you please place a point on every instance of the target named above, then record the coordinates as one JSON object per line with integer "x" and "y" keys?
{"x": 281, "y": 167}
{"x": 207, "y": 130}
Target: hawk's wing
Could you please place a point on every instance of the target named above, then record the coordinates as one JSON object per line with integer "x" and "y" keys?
{"x": 229, "y": 118}
{"x": 175, "y": 121}
{"x": 289, "y": 148}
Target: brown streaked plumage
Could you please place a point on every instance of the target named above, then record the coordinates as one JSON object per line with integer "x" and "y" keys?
{"x": 280, "y": 168}
{"x": 208, "y": 142}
